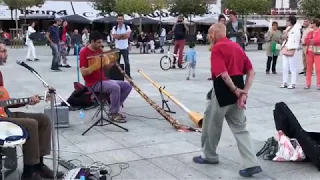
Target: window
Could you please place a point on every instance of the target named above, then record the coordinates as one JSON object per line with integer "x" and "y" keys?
{"x": 293, "y": 4}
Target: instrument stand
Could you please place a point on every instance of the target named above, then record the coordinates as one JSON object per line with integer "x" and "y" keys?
{"x": 102, "y": 121}
{"x": 53, "y": 95}
{"x": 3, "y": 168}
{"x": 164, "y": 102}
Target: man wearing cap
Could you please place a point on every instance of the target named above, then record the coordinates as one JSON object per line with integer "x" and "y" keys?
{"x": 53, "y": 36}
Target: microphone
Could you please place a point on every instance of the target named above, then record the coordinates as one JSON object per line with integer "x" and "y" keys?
{"x": 21, "y": 63}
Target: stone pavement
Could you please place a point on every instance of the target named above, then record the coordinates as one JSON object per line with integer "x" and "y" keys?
{"x": 152, "y": 148}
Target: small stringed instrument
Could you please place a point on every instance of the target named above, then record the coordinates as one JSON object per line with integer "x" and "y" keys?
{"x": 5, "y": 101}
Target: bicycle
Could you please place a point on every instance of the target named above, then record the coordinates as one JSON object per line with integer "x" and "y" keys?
{"x": 166, "y": 60}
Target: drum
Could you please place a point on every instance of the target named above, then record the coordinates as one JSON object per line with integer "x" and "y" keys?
{"x": 11, "y": 134}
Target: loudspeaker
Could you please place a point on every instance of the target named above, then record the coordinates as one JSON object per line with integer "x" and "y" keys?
{"x": 114, "y": 73}
{"x": 63, "y": 116}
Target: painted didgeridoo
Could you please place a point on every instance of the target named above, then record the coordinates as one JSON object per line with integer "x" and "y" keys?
{"x": 196, "y": 117}
{"x": 175, "y": 123}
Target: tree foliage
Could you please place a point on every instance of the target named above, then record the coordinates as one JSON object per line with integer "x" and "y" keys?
{"x": 245, "y": 7}
{"x": 104, "y": 6}
{"x": 139, "y": 7}
{"x": 189, "y": 7}
{"x": 159, "y": 5}
{"x": 22, "y": 4}
{"x": 310, "y": 8}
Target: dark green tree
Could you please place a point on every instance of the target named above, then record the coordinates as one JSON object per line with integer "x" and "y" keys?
{"x": 189, "y": 7}
{"x": 139, "y": 7}
{"x": 104, "y": 6}
{"x": 14, "y": 5}
{"x": 246, "y": 7}
{"x": 310, "y": 8}
{"x": 159, "y": 5}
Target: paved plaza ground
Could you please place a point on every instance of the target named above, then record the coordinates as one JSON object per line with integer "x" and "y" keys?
{"x": 152, "y": 147}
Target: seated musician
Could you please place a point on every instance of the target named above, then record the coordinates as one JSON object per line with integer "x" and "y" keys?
{"x": 118, "y": 90}
{"x": 38, "y": 144}
{"x": 3, "y": 53}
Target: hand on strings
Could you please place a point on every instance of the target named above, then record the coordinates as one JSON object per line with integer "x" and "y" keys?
{"x": 34, "y": 100}
{"x": 242, "y": 101}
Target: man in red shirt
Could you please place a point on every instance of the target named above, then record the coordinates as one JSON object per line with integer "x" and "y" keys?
{"x": 228, "y": 98}
{"x": 118, "y": 90}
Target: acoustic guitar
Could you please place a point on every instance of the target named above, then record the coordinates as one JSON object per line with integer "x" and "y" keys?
{"x": 5, "y": 101}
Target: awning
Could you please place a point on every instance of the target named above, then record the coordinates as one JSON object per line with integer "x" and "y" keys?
{"x": 258, "y": 23}
{"x": 174, "y": 20}
{"x": 76, "y": 19}
{"x": 38, "y": 17}
{"x": 206, "y": 21}
{"x": 144, "y": 20}
{"x": 49, "y": 8}
{"x": 108, "y": 19}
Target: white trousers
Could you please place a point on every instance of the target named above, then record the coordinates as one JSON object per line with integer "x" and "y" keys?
{"x": 31, "y": 50}
{"x": 290, "y": 64}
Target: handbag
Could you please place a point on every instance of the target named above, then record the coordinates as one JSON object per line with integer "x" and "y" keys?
{"x": 284, "y": 50}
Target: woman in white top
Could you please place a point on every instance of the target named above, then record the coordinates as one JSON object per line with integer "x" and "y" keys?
{"x": 31, "y": 49}
{"x": 85, "y": 37}
{"x": 290, "y": 46}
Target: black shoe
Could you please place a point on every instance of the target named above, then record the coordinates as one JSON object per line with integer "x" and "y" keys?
{"x": 302, "y": 72}
{"x": 249, "y": 172}
{"x": 28, "y": 59}
{"x": 36, "y": 59}
{"x": 34, "y": 176}
{"x": 46, "y": 172}
{"x": 173, "y": 66}
{"x": 66, "y": 66}
{"x": 180, "y": 66}
{"x": 56, "y": 69}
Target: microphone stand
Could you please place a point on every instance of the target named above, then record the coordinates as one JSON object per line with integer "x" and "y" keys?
{"x": 52, "y": 93}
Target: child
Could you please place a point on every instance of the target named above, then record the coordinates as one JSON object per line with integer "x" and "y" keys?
{"x": 190, "y": 57}
{"x": 3, "y": 54}
{"x": 152, "y": 46}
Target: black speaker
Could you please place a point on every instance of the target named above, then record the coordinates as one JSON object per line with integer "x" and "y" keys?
{"x": 114, "y": 73}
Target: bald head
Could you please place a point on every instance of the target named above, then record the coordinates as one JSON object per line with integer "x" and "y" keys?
{"x": 219, "y": 29}
{"x": 216, "y": 32}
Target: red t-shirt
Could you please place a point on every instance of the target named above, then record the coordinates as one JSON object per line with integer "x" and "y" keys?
{"x": 228, "y": 56}
{"x": 95, "y": 76}
{"x": 64, "y": 35}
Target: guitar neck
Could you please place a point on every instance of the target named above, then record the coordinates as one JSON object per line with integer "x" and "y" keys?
{"x": 13, "y": 102}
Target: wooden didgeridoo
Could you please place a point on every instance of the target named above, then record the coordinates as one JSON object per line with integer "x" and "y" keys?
{"x": 175, "y": 123}
{"x": 196, "y": 117}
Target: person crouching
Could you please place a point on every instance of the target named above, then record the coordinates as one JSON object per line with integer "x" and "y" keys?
{"x": 3, "y": 54}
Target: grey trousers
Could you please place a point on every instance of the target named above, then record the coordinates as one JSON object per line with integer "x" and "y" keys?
{"x": 212, "y": 128}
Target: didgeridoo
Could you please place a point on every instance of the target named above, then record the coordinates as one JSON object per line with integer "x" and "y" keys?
{"x": 175, "y": 123}
{"x": 196, "y": 117}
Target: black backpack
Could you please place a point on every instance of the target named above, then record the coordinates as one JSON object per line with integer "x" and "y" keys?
{"x": 81, "y": 98}
{"x": 179, "y": 31}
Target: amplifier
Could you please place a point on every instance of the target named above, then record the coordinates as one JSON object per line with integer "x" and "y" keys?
{"x": 114, "y": 73}
{"x": 63, "y": 116}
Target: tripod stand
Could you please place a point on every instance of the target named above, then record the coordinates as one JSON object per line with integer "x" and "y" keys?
{"x": 102, "y": 121}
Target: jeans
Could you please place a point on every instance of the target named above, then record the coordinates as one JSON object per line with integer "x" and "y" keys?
{"x": 179, "y": 45}
{"x": 162, "y": 41}
{"x": 56, "y": 55}
{"x": 118, "y": 91}
{"x": 63, "y": 52}
{"x": 125, "y": 55}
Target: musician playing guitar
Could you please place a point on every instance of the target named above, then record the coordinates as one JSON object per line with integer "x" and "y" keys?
{"x": 38, "y": 126}
{"x": 118, "y": 90}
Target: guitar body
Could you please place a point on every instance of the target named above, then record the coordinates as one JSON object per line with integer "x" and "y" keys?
{"x": 4, "y": 95}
